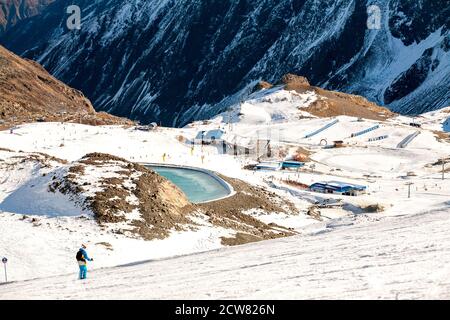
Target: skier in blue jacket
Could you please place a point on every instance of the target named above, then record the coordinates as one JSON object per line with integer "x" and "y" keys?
{"x": 82, "y": 258}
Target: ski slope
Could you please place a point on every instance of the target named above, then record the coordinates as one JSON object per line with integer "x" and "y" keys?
{"x": 400, "y": 252}
{"x": 401, "y": 258}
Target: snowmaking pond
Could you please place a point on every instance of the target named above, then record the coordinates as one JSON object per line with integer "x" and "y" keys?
{"x": 199, "y": 186}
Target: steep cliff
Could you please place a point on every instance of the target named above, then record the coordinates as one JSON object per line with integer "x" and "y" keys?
{"x": 175, "y": 61}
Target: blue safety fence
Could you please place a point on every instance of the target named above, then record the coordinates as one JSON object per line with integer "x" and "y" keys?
{"x": 322, "y": 129}
{"x": 360, "y": 133}
{"x": 378, "y": 138}
{"x": 408, "y": 140}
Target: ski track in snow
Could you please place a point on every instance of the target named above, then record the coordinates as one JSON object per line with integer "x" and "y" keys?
{"x": 402, "y": 258}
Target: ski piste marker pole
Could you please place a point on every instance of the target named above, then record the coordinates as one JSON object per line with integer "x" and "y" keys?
{"x": 4, "y": 260}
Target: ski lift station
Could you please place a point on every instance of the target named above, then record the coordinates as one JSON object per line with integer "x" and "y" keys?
{"x": 279, "y": 165}
{"x": 270, "y": 166}
{"x": 150, "y": 127}
{"x": 209, "y": 136}
{"x": 292, "y": 165}
{"x": 337, "y": 187}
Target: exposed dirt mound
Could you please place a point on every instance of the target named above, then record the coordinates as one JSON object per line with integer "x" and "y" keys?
{"x": 442, "y": 136}
{"x": 117, "y": 191}
{"x": 373, "y": 208}
{"x": 294, "y": 82}
{"x": 262, "y": 85}
{"x": 230, "y": 213}
{"x": 438, "y": 164}
{"x": 240, "y": 238}
{"x": 336, "y": 103}
{"x": 333, "y": 103}
{"x": 301, "y": 154}
{"x": 28, "y": 93}
{"x": 127, "y": 198}
{"x": 297, "y": 184}
{"x": 132, "y": 199}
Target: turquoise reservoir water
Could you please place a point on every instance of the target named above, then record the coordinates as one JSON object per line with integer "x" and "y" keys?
{"x": 197, "y": 185}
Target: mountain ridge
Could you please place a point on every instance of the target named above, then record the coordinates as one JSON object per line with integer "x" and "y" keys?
{"x": 177, "y": 61}
{"x": 29, "y": 93}
{"x": 12, "y": 11}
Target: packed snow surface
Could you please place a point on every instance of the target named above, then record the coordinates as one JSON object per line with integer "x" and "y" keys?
{"x": 401, "y": 258}
{"x": 400, "y": 252}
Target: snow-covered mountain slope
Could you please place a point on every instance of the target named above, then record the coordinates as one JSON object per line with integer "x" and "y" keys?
{"x": 276, "y": 114}
{"x": 35, "y": 214}
{"x": 437, "y": 120}
{"x": 288, "y": 116}
{"x": 294, "y": 99}
{"x": 176, "y": 61}
{"x": 12, "y": 11}
{"x": 402, "y": 258}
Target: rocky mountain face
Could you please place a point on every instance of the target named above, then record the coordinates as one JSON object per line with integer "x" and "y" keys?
{"x": 12, "y": 11}
{"x": 29, "y": 93}
{"x": 333, "y": 103}
{"x": 178, "y": 60}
